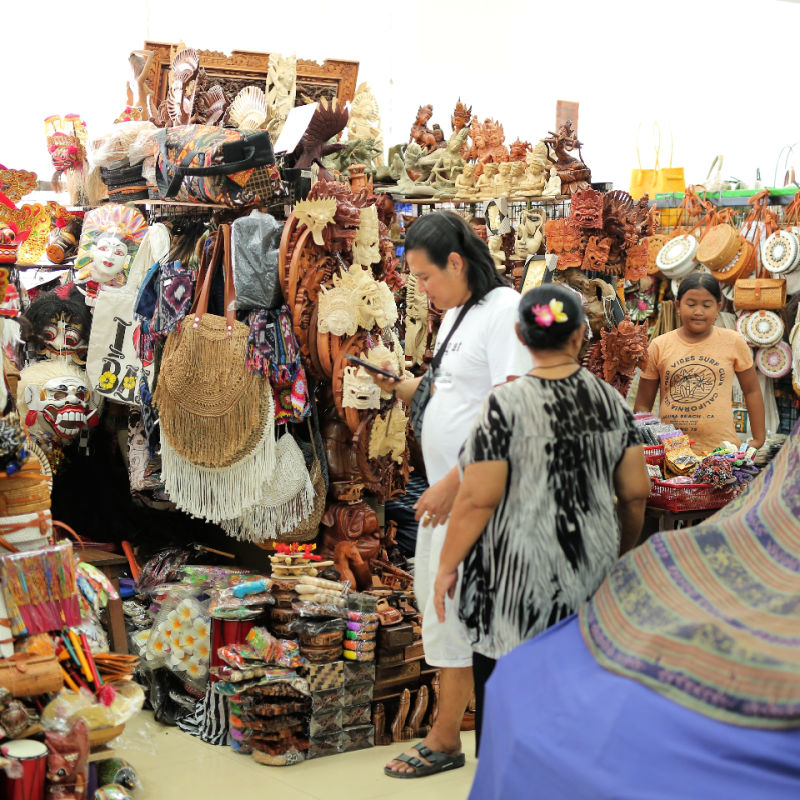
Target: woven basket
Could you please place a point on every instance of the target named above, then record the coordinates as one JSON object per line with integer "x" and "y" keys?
{"x": 757, "y": 294}
{"x": 718, "y": 246}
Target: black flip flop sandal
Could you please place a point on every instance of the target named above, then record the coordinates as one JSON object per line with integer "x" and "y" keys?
{"x": 439, "y": 762}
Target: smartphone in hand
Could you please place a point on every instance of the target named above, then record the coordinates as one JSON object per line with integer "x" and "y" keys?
{"x": 372, "y": 368}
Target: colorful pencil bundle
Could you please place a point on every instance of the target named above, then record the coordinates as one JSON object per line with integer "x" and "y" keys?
{"x": 40, "y": 589}
{"x": 77, "y": 663}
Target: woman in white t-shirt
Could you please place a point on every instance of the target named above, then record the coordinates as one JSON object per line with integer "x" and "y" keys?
{"x": 453, "y": 266}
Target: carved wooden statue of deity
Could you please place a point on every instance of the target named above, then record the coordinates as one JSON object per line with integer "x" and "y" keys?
{"x": 365, "y": 121}
{"x": 574, "y": 174}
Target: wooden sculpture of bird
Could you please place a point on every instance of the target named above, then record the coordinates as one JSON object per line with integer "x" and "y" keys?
{"x": 329, "y": 120}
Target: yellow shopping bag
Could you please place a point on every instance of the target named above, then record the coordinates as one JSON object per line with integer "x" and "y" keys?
{"x": 643, "y": 181}
{"x": 670, "y": 180}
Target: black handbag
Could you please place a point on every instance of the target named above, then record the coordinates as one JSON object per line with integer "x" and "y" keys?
{"x": 206, "y": 164}
{"x": 422, "y": 396}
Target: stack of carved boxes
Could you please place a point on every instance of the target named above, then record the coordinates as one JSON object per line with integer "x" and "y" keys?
{"x": 269, "y": 722}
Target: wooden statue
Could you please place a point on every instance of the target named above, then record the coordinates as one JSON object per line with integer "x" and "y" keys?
{"x": 139, "y": 94}
{"x": 328, "y": 121}
{"x": 461, "y": 116}
{"x": 495, "y": 149}
{"x": 400, "y": 732}
{"x": 420, "y": 132}
{"x": 449, "y": 164}
{"x": 530, "y": 233}
{"x": 382, "y": 738}
{"x": 281, "y": 91}
{"x": 485, "y": 184}
{"x": 553, "y": 188}
{"x": 518, "y": 150}
{"x": 574, "y": 174}
{"x": 534, "y": 179}
{"x": 365, "y": 121}
{"x": 409, "y": 184}
{"x": 517, "y": 173}
{"x": 465, "y": 182}
{"x": 496, "y": 252}
{"x": 501, "y": 186}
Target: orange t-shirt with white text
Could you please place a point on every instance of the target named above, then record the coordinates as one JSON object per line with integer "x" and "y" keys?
{"x": 697, "y": 383}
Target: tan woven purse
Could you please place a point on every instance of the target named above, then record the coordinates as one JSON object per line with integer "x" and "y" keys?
{"x": 217, "y": 419}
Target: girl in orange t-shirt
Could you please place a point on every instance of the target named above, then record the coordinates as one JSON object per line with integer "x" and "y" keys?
{"x": 694, "y": 366}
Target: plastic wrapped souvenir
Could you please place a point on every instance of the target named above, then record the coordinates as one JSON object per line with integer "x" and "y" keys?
{"x": 109, "y": 242}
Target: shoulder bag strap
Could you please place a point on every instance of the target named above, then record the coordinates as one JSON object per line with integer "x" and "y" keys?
{"x": 437, "y": 359}
{"x": 222, "y": 252}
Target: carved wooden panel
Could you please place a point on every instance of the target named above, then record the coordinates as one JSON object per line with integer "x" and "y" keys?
{"x": 333, "y": 78}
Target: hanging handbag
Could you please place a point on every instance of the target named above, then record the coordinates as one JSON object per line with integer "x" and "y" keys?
{"x": 759, "y": 293}
{"x": 422, "y": 396}
{"x": 113, "y": 363}
{"x": 669, "y": 180}
{"x": 256, "y": 242}
{"x": 217, "y": 418}
{"x": 293, "y": 501}
{"x": 643, "y": 181}
{"x": 207, "y": 164}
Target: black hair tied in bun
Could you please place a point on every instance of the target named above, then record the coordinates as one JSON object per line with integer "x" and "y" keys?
{"x": 549, "y": 315}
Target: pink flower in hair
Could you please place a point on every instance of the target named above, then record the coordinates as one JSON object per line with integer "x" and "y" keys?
{"x": 547, "y": 315}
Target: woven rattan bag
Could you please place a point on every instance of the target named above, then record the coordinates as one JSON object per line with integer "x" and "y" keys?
{"x": 217, "y": 418}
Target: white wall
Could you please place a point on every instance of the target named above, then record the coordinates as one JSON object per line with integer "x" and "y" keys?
{"x": 720, "y": 72}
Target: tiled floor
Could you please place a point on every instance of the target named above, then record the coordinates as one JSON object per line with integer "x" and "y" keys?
{"x": 174, "y": 766}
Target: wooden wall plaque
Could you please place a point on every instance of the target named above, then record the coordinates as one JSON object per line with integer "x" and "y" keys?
{"x": 332, "y": 78}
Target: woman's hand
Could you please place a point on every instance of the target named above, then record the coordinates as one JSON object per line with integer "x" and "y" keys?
{"x": 387, "y": 384}
{"x": 445, "y": 584}
{"x": 435, "y": 505}
{"x": 757, "y": 443}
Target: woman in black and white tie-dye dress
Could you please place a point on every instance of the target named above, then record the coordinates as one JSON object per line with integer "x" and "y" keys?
{"x": 554, "y": 487}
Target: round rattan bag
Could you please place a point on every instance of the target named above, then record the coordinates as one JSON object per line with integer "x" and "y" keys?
{"x": 775, "y": 361}
{"x": 781, "y": 252}
{"x": 764, "y": 328}
{"x": 676, "y": 259}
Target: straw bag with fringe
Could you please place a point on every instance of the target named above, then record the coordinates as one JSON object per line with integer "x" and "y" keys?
{"x": 292, "y": 503}
{"x": 217, "y": 419}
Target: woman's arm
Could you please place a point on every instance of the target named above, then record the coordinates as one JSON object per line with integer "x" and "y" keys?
{"x": 632, "y": 485}
{"x": 646, "y": 396}
{"x": 754, "y": 401}
{"x": 482, "y": 489}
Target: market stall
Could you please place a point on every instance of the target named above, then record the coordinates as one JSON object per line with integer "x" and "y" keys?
{"x": 188, "y": 341}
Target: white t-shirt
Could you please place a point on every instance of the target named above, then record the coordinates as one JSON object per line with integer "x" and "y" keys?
{"x": 482, "y": 353}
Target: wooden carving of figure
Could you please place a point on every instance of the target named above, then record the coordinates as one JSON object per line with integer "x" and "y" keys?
{"x": 281, "y": 91}
{"x": 365, "y": 121}
{"x": 553, "y": 188}
{"x": 485, "y": 184}
{"x": 420, "y": 133}
{"x": 465, "y": 182}
{"x": 574, "y": 174}
{"x": 534, "y": 179}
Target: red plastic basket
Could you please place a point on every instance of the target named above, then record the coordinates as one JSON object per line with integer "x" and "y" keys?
{"x": 654, "y": 455}
{"x": 689, "y": 497}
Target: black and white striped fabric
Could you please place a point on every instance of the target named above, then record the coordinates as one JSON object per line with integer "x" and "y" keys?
{"x": 209, "y": 720}
{"x": 555, "y": 534}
